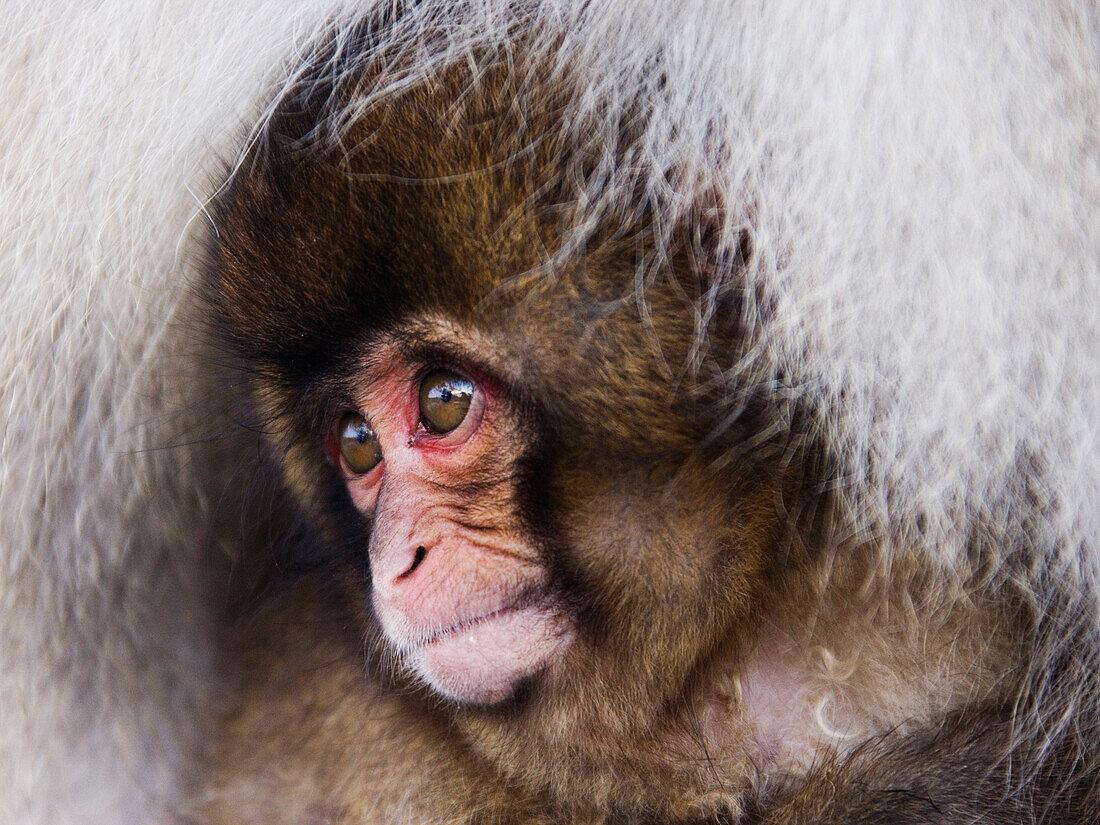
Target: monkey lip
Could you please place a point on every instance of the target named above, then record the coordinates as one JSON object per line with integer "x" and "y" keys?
{"x": 481, "y": 660}
{"x": 526, "y": 599}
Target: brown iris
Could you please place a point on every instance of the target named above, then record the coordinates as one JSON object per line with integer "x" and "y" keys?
{"x": 445, "y": 399}
{"x": 358, "y": 444}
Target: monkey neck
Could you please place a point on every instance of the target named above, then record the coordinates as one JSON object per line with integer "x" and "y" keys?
{"x": 801, "y": 692}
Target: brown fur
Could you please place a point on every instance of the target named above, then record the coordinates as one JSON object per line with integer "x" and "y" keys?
{"x": 680, "y": 563}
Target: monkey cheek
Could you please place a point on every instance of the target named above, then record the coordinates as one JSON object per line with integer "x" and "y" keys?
{"x": 483, "y": 662}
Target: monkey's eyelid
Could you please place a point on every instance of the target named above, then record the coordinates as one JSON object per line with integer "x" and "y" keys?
{"x": 452, "y": 357}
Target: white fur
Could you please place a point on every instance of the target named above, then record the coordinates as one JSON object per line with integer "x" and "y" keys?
{"x": 921, "y": 181}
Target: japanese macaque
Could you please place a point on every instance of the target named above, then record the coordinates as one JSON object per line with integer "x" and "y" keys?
{"x": 517, "y": 412}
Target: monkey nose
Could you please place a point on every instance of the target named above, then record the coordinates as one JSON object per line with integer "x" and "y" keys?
{"x": 418, "y": 556}
{"x": 401, "y": 569}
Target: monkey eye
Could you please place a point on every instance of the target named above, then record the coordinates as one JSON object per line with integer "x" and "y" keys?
{"x": 445, "y": 399}
{"x": 358, "y": 444}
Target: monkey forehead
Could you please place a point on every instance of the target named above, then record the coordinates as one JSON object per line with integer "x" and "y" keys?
{"x": 448, "y": 196}
{"x": 435, "y": 338}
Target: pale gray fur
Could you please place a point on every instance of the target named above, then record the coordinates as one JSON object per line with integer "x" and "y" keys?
{"x": 114, "y": 117}
{"x": 921, "y": 183}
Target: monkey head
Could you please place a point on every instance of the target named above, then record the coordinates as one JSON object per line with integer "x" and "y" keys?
{"x": 520, "y": 436}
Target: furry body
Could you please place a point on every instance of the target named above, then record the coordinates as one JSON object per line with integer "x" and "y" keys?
{"x": 921, "y": 189}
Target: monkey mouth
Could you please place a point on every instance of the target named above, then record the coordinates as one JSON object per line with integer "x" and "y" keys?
{"x": 481, "y": 660}
{"x": 531, "y": 598}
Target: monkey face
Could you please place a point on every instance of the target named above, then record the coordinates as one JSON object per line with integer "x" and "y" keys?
{"x": 459, "y": 586}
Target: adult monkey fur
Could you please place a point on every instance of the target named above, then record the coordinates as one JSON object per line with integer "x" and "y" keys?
{"x": 827, "y": 552}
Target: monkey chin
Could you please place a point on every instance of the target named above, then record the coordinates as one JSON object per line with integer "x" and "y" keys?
{"x": 482, "y": 662}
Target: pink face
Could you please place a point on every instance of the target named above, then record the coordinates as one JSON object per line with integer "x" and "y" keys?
{"x": 459, "y": 589}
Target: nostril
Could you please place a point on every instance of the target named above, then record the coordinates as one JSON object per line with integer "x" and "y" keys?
{"x": 418, "y": 557}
